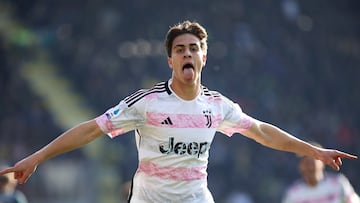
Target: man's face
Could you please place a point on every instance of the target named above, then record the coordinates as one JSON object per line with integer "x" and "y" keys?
{"x": 311, "y": 169}
{"x": 187, "y": 59}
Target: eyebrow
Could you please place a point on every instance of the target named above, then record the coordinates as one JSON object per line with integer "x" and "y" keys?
{"x": 182, "y": 45}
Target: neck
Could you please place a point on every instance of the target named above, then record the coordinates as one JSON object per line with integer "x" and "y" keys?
{"x": 313, "y": 181}
{"x": 186, "y": 91}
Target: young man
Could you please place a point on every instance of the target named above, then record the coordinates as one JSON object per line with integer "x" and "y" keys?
{"x": 318, "y": 186}
{"x": 175, "y": 123}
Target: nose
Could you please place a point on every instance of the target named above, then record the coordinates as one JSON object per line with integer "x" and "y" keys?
{"x": 187, "y": 53}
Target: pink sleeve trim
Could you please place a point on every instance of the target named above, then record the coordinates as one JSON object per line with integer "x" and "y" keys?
{"x": 107, "y": 126}
{"x": 102, "y": 123}
{"x": 243, "y": 125}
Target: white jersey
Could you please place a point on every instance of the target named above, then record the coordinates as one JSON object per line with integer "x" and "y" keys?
{"x": 334, "y": 188}
{"x": 173, "y": 138}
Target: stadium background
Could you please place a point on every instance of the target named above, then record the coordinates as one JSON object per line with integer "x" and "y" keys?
{"x": 289, "y": 62}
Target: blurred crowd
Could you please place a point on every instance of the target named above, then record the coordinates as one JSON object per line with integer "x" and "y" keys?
{"x": 292, "y": 63}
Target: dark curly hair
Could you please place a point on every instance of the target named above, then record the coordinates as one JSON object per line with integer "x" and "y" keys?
{"x": 184, "y": 28}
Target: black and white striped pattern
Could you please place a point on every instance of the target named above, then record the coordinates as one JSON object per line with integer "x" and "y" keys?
{"x": 158, "y": 88}
{"x": 210, "y": 93}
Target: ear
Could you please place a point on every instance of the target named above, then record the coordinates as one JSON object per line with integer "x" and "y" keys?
{"x": 204, "y": 60}
{"x": 169, "y": 60}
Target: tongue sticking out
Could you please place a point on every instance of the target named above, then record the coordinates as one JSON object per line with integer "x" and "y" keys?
{"x": 189, "y": 73}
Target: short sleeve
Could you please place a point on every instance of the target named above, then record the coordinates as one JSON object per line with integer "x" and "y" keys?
{"x": 235, "y": 120}
{"x": 119, "y": 119}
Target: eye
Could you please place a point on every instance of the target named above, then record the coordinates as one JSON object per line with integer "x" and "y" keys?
{"x": 179, "y": 50}
{"x": 194, "y": 48}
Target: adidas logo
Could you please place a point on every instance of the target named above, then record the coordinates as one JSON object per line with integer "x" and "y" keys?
{"x": 167, "y": 121}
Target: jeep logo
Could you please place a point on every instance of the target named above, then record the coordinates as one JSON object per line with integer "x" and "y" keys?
{"x": 180, "y": 148}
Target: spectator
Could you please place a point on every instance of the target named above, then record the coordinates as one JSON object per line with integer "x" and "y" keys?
{"x": 318, "y": 186}
{"x": 8, "y": 191}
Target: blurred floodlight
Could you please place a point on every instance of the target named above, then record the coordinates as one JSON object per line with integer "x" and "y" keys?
{"x": 140, "y": 48}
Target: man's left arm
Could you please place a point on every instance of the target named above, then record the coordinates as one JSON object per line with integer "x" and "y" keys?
{"x": 276, "y": 138}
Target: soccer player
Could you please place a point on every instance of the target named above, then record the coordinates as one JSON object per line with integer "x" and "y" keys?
{"x": 175, "y": 122}
{"x": 317, "y": 185}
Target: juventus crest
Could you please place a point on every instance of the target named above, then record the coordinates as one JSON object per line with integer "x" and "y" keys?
{"x": 207, "y": 114}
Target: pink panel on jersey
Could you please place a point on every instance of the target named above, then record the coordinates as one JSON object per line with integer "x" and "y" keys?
{"x": 107, "y": 126}
{"x": 171, "y": 172}
{"x": 183, "y": 120}
{"x": 244, "y": 124}
{"x": 325, "y": 199}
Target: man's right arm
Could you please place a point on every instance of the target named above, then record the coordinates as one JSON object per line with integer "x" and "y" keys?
{"x": 74, "y": 138}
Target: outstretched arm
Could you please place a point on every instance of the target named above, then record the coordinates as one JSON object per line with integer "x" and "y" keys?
{"x": 273, "y": 137}
{"x": 72, "y": 139}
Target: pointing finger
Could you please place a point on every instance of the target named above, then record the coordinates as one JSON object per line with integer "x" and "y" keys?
{"x": 8, "y": 170}
{"x": 347, "y": 156}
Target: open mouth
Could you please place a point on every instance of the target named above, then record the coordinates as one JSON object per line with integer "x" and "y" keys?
{"x": 188, "y": 65}
{"x": 189, "y": 71}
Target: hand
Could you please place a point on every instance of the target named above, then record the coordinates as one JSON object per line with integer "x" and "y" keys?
{"x": 333, "y": 158}
{"x": 22, "y": 170}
